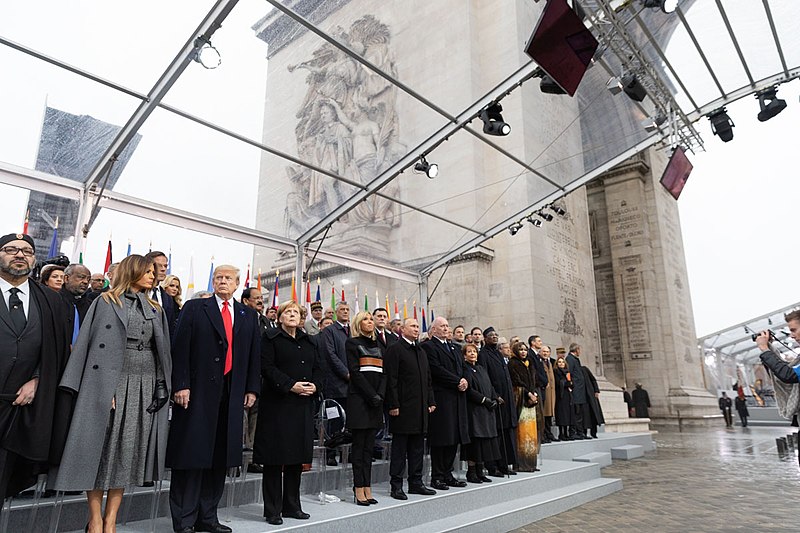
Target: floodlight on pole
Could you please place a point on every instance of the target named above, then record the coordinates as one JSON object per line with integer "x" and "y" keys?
{"x": 429, "y": 169}
{"x": 770, "y": 104}
{"x": 493, "y": 123}
{"x": 514, "y": 228}
{"x": 535, "y": 222}
{"x": 721, "y": 124}
{"x": 206, "y": 54}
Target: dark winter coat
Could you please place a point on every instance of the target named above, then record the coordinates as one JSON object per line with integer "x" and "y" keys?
{"x": 408, "y": 387}
{"x": 741, "y": 406}
{"x": 641, "y": 402}
{"x": 493, "y": 361}
{"x": 564, "y": 413}
{"x": 482, "y": 424}
{"x": 449, "y": 423}
{"x": 93, "y": 372}
{"x": 579, "y": 388}
{"x": 591, "y": 399}
{"x": 198, "y": 359}
{"x": 331, "y": 344}
{"x": 523, "y": 378}
{"x": 367, "y": 384}
{"x": 285, "y": 427}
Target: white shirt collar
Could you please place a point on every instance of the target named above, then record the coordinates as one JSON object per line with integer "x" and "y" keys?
{"x": 24, "y": 287}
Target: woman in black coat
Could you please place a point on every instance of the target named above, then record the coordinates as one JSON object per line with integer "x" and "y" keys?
{"x": 284, "y": 439}
{"x": 564, "y": 413}
{"x": 523, "y": 377}
{"x": 481, "y": 405}
{"x": 365, "y": 394}
{"x": 741, "y": 407}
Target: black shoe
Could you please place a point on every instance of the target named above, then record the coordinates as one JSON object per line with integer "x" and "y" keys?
{"x": 438, "y": 485}
{"x": 453, "y": 482}
{"x": 255, "y": 469}
{"x": 182, "y": 530}
{"x": 274, "y": 520}
{"x": 425, "y": 491}
{"x": 212, "y": 528}
{"x": 332, "y": 462}
{"x": 298, "y": 515}
{"x": 484, "y": 478}
{"x": 495, "y": 473}
{"x": 595, "y": 437}
{"x": 398, "y": 494}
{"x": 472, "y": 475}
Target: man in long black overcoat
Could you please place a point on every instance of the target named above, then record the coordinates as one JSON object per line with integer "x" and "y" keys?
{"x": 449, "y": 423}
{"x": 492, "y": 360}
{"x": 34, "y": 346}
{"x": 409, "y": 399}
{"x": 579, "y": 393}
{"x": 205, "y": 436}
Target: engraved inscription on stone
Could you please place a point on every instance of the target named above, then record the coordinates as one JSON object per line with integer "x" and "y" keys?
{"x": 635, "y": 311}
{"x": 564, "y": 270}
{"x": 625, "y": 224}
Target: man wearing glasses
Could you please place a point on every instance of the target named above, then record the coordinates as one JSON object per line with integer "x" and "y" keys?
{"x": 33, "y": 344}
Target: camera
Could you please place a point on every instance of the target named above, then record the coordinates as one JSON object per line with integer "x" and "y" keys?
{"x": 771, "y": 335}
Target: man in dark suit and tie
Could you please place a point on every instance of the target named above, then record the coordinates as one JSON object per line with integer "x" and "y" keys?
{"x": 76, "y": 296}
{"x": 34, "y": 346}
{"x": 337, "y": 375}
{"x": 579, "y": 399}
{"x": 449, "y": 425}
{"x": 495, "y": 364}
{"x": 216, "y": 371}
{"x": 383, "y": 335}
{"x": 166, "y": 301}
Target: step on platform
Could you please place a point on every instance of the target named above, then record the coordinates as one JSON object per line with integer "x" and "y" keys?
{"x": 627, "y": 452}
{"x": 601, "y": 458}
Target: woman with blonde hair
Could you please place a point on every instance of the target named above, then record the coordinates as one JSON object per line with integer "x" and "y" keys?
{"x": 119, "y": 370}
{"x": 172, "y": 286}
{"x": 366, "y": 391}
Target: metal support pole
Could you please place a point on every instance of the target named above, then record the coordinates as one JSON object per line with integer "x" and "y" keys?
{"x": 423, "y": 293}
{"x": 299, "y": 269}
{"x": 84, "y": 208}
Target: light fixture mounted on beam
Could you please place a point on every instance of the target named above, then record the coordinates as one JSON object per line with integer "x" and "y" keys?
{"x": 633, "y": 87}
{"x": 514, "y": 228}
{"x": 535, "y": 222}
{"x": 721, "y": 124}
{"x": 770, "y": 104}
{"x": 651, "y": 124}
{"x": 429, "y": 169}
{"x": 667, "y": 6}
{"x": 493, "y": 123}
{"x": 206, "y": 54}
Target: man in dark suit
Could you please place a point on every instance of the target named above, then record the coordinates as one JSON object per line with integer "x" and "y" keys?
{"x": 34, "y": 346}
{"x": 495, "y": 364}
{"x": 76, "y": 296}
{"x": 449, "y": 425}
{"x": 409, "y": 398}
{"x": 337, "y": 376}
{"x": 215, "y": 376}
{"x": 254, "y": 299}
{"x": 166, "y": 301}
{"x": 382, "y": 333}
{"x": 542, "y": 381}
{"x": 579, "y": 392}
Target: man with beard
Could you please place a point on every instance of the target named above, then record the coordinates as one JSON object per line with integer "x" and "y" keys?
{"x": 34, "y": 344}
{"x": 492, "y": 360}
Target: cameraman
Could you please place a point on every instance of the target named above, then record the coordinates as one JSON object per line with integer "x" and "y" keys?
{"x": 783, "y": 371}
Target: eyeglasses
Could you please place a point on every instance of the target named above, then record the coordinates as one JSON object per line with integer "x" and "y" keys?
{"x": 13, "y": 250}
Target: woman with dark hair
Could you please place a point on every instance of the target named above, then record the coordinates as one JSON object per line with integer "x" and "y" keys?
{"x": 52, "y": 277}
{"x": 120, "y": 371}
{"x": 365, "y": 395}
{"x": 481, "y": 406}
{"x": 284, "y": 439}
{"x": 523, "y": 379}
{"x": 563, "y": 413}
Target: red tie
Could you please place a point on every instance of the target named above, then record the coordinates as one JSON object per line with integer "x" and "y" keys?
{"x": 383, "y": 338}
{"x": 226, "y": 320}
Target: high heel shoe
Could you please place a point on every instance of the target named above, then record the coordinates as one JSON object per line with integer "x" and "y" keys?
{"x": 372, "y": 501}
{"x": 363, "y": 503}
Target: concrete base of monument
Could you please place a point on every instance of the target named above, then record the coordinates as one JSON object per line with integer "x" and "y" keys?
{"x": 627, "y": 425}
{"x": 689, "y": 407}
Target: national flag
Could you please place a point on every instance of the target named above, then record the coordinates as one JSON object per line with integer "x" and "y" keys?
{"x": 343, "y": 299}
{"x": 319, "y": 296}
{"x": 169, "y": 262}
{"x": 432, "y": 315}
{"x": 54, "y": 242}
{"x": 308, "y": 294}
{"x": 108, "y": 258}
{"x": 405, "y": 309}
{"x": 356, "y": 310}
{"x": 415, "y": 309}
{"x": 294, "y": 290}
{"x": 211, "y": 277}
{"x": 190, "y": 282}
{"x": 275, "y": 290}
{"x": 387, "y": 303}
{"x": 25, "y": 225}
{"x": 396, "y": 312}
{"x": 129, "y": 249}
{"x": 333, "y": 297}
{"x": 258, "y": 286}
{"x": 80, "y": 258}
{"x": 424, "y": 324}
{"x": 247, "y": 277}
{"x": 366, "y": 302}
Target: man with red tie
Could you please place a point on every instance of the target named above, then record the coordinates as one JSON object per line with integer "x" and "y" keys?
{"x": 216, "y": 354}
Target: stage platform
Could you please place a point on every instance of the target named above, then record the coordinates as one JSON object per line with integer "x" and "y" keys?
{"x": 570, "y": 476}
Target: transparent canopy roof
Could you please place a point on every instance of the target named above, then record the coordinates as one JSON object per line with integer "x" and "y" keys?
{"x": 320, "y": 109}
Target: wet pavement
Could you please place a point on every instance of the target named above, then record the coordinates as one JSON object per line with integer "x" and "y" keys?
{"x": 698, "y": 480}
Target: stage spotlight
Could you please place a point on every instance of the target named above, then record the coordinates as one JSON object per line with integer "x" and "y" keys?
{"x": 206, "y": 54}
{"x": 558, "y": 210}
{"x": 546, "y": 216}
{"x": 514, "y": 228}
{"x": 651, "y": 124}
{"x": 537, "y": 223}
{"x": 632, "y": 87}
{"x": 548, "y": 86}
{"x": 493, "y": 120}
{"x": 667, "y": 6}
{"x": 429, "y": 169}
{"x": 614, "y": 86}
{"x": 770, "y": 104}
{"x": 721, "y": 124}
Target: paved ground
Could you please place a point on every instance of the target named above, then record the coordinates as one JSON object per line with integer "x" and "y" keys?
{"x": 698, "y": 480}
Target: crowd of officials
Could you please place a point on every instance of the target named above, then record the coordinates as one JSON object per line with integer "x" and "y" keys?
{"x": 112, "y": 380}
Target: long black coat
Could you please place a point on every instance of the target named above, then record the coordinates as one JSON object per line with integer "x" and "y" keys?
{"x": 564, "y": 413}
{"x": 641, "y": 401}
{"x": 741, "y": 406}
{"x": 492, "y": 360}
{"x": 285, "y": 428}
{"x": 579, "y": 389}
{"x": 524, "y": 378}
{"x": 449, "y": 423}
{"x": 482, "y": 423}
{"x": 591, "y": 399}
{"x": 408, "y": 387}
{"x": 198, "y": 358}
{"x": 331, "y": 344}
{"x": 365, "y": 362}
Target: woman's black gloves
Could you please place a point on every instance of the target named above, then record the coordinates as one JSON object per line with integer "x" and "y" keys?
{"x": 160, "y": 396}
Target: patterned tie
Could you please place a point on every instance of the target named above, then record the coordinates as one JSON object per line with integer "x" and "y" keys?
{"x": 16, "y": 310}
{"x": 228, "y": 323}
{"x": 347, "y": 329}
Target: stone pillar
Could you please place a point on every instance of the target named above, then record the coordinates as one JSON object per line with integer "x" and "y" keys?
{"x": 646, "y": 322}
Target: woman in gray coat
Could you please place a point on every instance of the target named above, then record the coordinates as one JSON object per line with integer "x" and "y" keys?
{"x": 119, "y": 371}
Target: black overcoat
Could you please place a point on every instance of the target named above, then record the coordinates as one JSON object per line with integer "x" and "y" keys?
{"x": 285, "y": 428}
{"x": 641, "y": 402}
{"x": 482, "y": 423}
{"x": 741, "y": 406}
{"x": 198, "y": 358}
{"x": 579, "y": 388}
{"x": 591, "y": 399}
{"x": 492, "y": 360}
{"x": 408, "y": 387}
{"x": 331, "y": 341}
{"x": 365, "y": 362}
{"x": 565, "y": 415}
{"x": 524, "y": 378}
{"x": 449, "y": 423}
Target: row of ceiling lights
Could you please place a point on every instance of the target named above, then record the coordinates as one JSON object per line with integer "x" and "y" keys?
{"x": 536, "y": 218}
{"x": 768, "y": 101}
